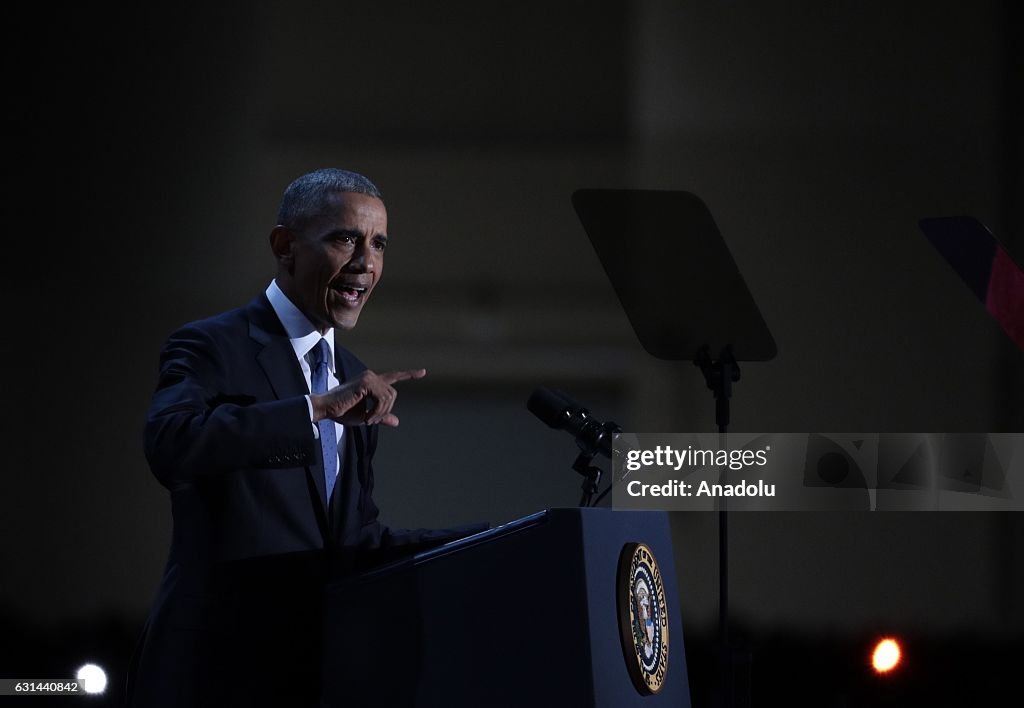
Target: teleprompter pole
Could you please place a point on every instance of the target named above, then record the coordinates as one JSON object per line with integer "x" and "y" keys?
{"x": 720, "y": 375}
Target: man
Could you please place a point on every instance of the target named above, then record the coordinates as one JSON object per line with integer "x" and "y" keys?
{"x": 263, "y": 429}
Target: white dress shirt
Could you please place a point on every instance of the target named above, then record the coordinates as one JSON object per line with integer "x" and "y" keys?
{"x": 304, "y": 337}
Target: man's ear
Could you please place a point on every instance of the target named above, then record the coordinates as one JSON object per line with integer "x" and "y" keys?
{"x": 281, "y": 240}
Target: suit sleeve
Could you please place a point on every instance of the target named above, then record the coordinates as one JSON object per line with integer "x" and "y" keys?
{"x": 195, "y": 428}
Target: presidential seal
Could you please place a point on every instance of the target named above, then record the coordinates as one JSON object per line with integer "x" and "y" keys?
{"x": 643, "y": 617}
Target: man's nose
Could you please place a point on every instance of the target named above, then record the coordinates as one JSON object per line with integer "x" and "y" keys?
{"x": 361, "y": 261}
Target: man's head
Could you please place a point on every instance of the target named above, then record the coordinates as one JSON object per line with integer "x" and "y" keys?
{"x": 329, "y": 243}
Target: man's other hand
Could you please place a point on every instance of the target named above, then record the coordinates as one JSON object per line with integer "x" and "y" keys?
{"x": 367, "y": 400}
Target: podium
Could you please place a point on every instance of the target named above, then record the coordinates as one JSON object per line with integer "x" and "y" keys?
{"x": 525, "y": 614}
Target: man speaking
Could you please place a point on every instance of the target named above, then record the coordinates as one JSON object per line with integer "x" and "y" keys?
{"x": 263, "y": 428}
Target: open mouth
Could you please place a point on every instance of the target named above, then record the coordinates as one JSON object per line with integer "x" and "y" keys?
{"x": 350, "y": 293}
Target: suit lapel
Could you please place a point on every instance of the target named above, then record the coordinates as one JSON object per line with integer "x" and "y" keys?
{"x": 344, "y": 509}
{"x": 344, "y": 512}
{"x": 277, "y": 359}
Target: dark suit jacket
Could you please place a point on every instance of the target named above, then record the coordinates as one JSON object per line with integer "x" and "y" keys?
{"x": 236, "y": 618}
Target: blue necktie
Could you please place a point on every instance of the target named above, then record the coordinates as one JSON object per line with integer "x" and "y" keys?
{"x": 320, "y": 355}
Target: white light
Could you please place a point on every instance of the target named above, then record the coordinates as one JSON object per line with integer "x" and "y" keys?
{"x": 93, "y": 678}
{"x": 886, "y": 656}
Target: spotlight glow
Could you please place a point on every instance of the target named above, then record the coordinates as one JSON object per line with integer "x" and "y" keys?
{"x": 886, "y": 656}
{"x": 93, "y": 678}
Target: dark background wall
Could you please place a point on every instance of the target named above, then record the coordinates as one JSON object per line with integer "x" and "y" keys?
{"x": 147, "y": 149}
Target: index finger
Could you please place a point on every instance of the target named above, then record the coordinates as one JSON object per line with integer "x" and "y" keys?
{"x": 390, "y": 377}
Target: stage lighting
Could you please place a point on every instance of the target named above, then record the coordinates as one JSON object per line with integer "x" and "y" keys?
{"x": 886, "y": 656}
{"x": 93, "y": 678}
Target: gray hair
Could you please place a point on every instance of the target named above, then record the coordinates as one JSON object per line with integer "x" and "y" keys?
{"x": 308, "y": 197}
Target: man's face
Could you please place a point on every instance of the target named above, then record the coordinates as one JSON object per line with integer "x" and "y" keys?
{"x": 336, "y": 260}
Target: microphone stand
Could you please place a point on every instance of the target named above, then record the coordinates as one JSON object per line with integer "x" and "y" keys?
{"x": 591, "y": 441}
{"x": 591, "y": 476}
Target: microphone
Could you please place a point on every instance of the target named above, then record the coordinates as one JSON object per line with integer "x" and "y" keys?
{"x": 560, "y": 412}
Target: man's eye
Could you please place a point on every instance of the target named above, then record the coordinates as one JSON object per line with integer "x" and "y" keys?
{"x": 380, "y": 245}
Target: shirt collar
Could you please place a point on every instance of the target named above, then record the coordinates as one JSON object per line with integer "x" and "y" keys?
{"x": 301, "y": 332}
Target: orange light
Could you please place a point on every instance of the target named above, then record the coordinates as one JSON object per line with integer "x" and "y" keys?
{"x": 886, "y": 656}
